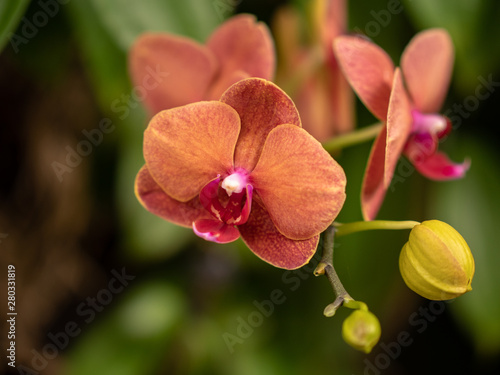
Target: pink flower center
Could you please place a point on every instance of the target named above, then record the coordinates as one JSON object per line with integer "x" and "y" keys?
{"x": 428, "y": 129}
{"x": 228, "y": 201}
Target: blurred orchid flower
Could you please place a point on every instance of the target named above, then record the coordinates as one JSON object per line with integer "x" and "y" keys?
{"x": 311, "y": 73}
{"x": 239, "y": 48}
{"x": 407, "y": 100}
{"x": 242, "y": 166}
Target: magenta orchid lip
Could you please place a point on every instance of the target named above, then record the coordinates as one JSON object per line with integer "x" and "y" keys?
{"x": 226, "y": 215}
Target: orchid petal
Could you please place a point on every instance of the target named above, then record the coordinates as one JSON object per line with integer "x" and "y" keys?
{"x": 341, "y": 101}
{"x": 215, "y": 231}
{"x": 315, "y": 110}
{"x": 300, "y": 184}
{"x": 340, "y": 95}
{"x": 334, "y": 22}
{"x": 399, "y": 126}
{"x": 261, "y": 106}
{"x": 386, "y": 150}
{"x": 171, "y": 70}
{"x": 368, "y": 69}
{"x": 156, "y": 201}
{"x": 242, "y": 44}
{"x": 262, "y": 237}
{"x": 333, "y": 14}
{"x": 373, "y": 189}
{"x": 325, "y": 103}
{"x": 185, "y": 147}
{"x": 439, "y": 167}
{"x": 427, "y": 63}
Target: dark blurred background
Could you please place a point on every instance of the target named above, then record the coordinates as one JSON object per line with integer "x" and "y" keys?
{"x": 104, "y": 287}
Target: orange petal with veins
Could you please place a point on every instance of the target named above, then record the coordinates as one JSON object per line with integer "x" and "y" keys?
{"x": 301, "y": 186}
{"x": 265, "y": 241}
{"x": 185, "y": 147}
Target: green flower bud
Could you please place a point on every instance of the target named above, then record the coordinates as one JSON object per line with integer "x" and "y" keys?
{"x": 436, "y": 262}
{"x": 361, "y": 330}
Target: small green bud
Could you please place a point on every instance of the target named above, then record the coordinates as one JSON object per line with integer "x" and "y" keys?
{"x": 361, "y": 330}
{"x": 436, "y": 262}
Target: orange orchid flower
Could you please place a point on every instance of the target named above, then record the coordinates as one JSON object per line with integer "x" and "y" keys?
{"x": 407, "y": 100}
{"x": 242, "y": 166}
{"x": 239, "y": 48}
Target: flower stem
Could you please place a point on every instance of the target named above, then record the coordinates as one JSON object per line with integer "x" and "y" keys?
{"x": 353, "y": 138}
{"x": 325, "y": 266}
{"x": 360, "y": 226}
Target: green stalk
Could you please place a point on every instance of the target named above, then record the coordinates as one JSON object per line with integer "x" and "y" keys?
{"x": 353, "y": 138}
{"x": 361, "y": 226}
{"x": 325, "y": 267}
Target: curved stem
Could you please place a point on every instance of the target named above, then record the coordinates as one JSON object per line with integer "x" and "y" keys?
{"x": 353, "y": 138}
{"x": 325, "y": 266}
{"x": 361, "y": 226}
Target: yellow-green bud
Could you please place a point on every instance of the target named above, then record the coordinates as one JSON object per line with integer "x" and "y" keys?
{"x": 436, "y": 262}
{"x": 361, "y": 330}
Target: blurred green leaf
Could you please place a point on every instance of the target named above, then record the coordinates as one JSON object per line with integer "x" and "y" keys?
{"x": 474, "y": 29}
{"x": 472, "y": 206}
{"x": 448, "y": 14}
{"x": 145, "y": 235}
{"x": 105, "y": 61}
{"x": 125, "y": 20}
{"x": 209, "y": 353}
{"x": 11, "y": 13}
{"x": 133, "y": 339}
